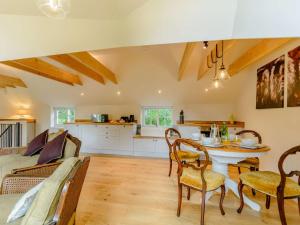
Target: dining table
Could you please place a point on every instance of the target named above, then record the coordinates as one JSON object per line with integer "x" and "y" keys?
{"x": 231, "y": 154}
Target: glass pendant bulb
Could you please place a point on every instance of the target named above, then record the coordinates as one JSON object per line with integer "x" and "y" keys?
{"x": 57, "y": 9}
{"x": 223, "y": 73}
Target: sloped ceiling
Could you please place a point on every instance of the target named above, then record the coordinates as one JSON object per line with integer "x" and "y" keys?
{"x": 141, "y": 72}
{"x": 87, "y": 9}
{"x": 106, "y": 24}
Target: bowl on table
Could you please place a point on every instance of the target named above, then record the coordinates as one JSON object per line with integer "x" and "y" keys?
{"x": 208, "y": 141}
{"x": 196, "y": 136}
{"x": 248, "y": 142}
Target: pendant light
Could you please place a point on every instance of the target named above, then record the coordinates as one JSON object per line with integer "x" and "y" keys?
{"x": 216, "y": 81}
{"x": 223, "y": 73}
{"x": 56, "y": 9}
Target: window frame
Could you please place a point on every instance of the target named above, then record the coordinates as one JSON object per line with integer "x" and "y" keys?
{"x": 144, "y": 108}
{"x": 55, "y": 109}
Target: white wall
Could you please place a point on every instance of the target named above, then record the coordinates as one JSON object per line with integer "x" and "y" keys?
{"x": 13, "y": 100}
{"x": 191, "y": 111}
{"x": 279, "y": 127}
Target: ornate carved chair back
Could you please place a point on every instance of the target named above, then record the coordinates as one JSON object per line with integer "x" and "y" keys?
{"x": 204, "y": 163}
{"x": 283, "y": 173}
{"x": 254, "y": 133}
{"x": 169, "y": 133}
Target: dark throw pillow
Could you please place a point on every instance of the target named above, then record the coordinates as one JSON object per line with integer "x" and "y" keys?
{"x": 37, "y": 144}
{"x": 53, "y": 150}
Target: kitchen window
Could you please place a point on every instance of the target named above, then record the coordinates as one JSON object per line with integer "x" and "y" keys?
{"x": 64, "y": 115}
{"x": 157, "y": 116}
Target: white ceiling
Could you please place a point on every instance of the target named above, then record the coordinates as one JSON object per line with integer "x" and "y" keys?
{"x": 83, "y": 9}
{"x": 104, "y": 24}
{"x": 141, "y": 72}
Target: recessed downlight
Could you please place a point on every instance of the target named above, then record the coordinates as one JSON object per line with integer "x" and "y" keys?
{"x": 82, "y": 94}
{"x": 118, "y": 92}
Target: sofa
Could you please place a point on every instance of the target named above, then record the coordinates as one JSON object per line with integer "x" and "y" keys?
{"x": 57, "y": 199}
{"x": 13, "y": 161}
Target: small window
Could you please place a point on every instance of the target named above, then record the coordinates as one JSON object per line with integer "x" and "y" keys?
{"x": 64, "y": 115}
{"x": 157, "y": 116}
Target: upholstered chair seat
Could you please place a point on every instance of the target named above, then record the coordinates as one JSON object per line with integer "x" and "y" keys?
{"x": 281, "y": 186}
{"x": 7, "y": 203}
{"x": 197, "y": 177}
{"x": 192, "y": 178}
{"x": 267, "y": 182}
{"x": 186, "y": 156}
{"x": 171, "y": 135}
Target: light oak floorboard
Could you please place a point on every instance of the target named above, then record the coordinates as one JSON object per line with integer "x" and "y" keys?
{"x": 137, "y": 191}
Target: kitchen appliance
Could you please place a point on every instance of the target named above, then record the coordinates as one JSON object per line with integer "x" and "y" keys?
{"x": 96, "y": 118}
{"x": 104, "y": 118}
{"x": 131, "y": 118}
{"x": 125, "y": 119}
{"x": 99, "y": 118}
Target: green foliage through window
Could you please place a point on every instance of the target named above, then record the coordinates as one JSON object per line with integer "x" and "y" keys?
{"x": 162, "y": 117}
{"x": 64, "y": 115}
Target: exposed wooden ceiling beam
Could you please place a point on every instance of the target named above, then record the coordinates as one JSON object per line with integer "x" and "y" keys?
{"x": 71, "y": 62}
{"x": 87, "y": 59}
{"x": 189, "y": 47}
{"x": 203, "y": 69}
{"x": 42, "y": 68}
{"x": 21, "y": 67}
{"x": 263, "y": 48}
{"x": 11, "y": 81}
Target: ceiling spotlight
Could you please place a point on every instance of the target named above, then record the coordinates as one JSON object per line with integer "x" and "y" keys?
{"x": 205, "y": 44}
{"x": 118, "y": 92}
{"x": 216, "y": 83}
{"x": 159, "y": 91}
{"x": 81, "y": 94}
{"x": 206, "y": 89}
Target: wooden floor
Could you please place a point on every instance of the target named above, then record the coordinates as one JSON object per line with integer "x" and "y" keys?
{"x": 137, "y": 191}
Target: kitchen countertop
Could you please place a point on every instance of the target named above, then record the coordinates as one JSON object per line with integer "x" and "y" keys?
{"x": 95, "y": 123}
{"x": 238, "y": 124}
{"x": 147, "y": 137}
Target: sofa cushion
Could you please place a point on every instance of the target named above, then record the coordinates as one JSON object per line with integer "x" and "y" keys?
{"x": 44, "y": 205}
{"x": 24, "y": 203}
{"x": 70, "y": 149}
{"x": 53, "y": 150}
{"x": 37, "y": 144}
{"x": 7, "y": 203}
{"x": 15, "y": 161}
{"x": 51, "y": 136}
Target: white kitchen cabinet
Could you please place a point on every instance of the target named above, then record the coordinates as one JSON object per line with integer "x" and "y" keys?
{"x": 152, "y": 147}
{"x": 92, "y": 137}
{"x": 73, "y": 129}
{"x": 126, "y": 138}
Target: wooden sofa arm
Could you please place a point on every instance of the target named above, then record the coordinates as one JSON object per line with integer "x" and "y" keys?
{"x": 17, "y": 184}
{"x": 8, "y": 151}
{"x": 43, "y": 170}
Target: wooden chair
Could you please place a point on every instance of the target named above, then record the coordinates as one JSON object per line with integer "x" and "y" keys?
{"x": 197, "y": 177}
{"x": 186, "y": 156}
{"x": 251, "y": 163}
{"x": 280, "y": 186}
{"x": 68, "y": 199}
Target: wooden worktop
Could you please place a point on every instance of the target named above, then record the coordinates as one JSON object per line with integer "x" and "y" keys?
{"x": 98, "y": 123}
{"x": 193, "y": 123}
{"x": 19, "y": 120}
